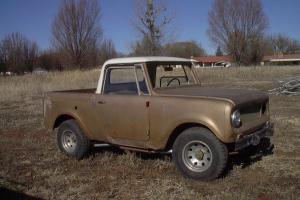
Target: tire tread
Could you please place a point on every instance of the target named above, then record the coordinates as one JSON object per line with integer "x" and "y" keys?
{"x": 83, "y": 141}
{"x": 221, "y": 150}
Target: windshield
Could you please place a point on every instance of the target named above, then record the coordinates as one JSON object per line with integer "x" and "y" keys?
{"x": 163, "y": 75}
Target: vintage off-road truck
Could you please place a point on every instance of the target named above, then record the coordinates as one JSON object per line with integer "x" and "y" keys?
{"x": 157, "y": 104}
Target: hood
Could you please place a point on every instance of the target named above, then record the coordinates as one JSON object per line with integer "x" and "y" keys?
{"x": 238, "y": 96}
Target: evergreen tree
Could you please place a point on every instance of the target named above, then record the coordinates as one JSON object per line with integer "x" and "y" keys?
{"x": 219, "y": 51}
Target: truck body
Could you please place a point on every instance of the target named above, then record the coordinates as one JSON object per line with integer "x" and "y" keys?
{"x": 146, "y": 103}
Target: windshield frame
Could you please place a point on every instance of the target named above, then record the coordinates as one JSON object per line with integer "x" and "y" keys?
{"x": 152, "y": 73}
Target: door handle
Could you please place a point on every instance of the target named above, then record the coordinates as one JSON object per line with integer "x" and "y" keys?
{"x": 101, "y": 102}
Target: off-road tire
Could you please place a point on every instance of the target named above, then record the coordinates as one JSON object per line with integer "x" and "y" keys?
{"x": 198, "y": 139}
{"x": 71, "y": 140}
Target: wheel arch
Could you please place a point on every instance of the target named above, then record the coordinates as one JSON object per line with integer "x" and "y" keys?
{"x": 62, "y": 118}
{"x": 68, "y": 116}
{"x": 179, "y": 129}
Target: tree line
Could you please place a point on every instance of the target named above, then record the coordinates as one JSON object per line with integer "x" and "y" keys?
{"x": 239, "y": 28}
{"x": 236, "y": 27}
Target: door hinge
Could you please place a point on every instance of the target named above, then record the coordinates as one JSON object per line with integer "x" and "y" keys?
{"x": 148, "y": 133}
{"x": 147, "y": 104}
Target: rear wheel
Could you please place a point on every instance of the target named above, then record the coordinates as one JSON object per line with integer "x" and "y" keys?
{"x": 198, "y": 154}
{"x": 71, "y": 139}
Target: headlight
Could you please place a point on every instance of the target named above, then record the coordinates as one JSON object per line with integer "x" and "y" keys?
{"x": 236, "y": 119}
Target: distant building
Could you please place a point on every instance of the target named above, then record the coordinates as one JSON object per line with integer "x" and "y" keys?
{"x": 227, "y": 61}
{"x": 39, "y": 70}
{"x": 214, "y": 61}
{"x": 282, "y": 59}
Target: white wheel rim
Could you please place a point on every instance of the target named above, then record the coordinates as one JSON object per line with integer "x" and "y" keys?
{"x": 69, "y": 141}
{"x": 197, "y": 156}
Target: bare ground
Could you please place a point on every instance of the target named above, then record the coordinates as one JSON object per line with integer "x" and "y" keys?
{"x": 31, "y": 165}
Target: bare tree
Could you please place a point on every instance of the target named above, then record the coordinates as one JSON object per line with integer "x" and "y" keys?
{"x": 284, "y": 44}
{"x": 107, "y": 51}
{"x": 151, "y": 24}
{"x": 18, "y": 53}
{"x": 50, "y": 60}
{"x": 77, "y": 32}
{"x": 237, "y": 26}
{"x": 3, "y": 58}
{"x": 184, "y": 49}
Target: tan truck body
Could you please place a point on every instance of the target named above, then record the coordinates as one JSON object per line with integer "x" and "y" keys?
{"x": 152, "y": 122}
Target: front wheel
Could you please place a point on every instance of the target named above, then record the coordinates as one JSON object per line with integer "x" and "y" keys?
{"x": 198, "y": 154}
{"x": 71, "y": 139}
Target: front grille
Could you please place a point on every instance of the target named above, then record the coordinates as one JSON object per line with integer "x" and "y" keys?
{"x": 253, "y": 112}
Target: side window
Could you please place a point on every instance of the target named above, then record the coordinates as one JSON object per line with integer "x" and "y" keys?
{"x": 120, "y": 81}
{"x": 141, "y": 80}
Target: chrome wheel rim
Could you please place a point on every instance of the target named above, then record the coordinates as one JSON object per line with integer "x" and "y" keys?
{"x": 69, "y": 141}
{"x": 197, "y": 156}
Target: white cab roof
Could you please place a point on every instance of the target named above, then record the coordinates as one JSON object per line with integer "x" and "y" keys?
{"x": 130, "y": 60}
{"x": 145, "y": 59}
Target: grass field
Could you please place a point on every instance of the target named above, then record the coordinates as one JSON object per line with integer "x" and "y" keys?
{"x": 30, "y": 163}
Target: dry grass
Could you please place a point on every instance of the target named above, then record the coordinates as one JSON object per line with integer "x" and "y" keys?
{"x": 30, "y": 162}
{"x": 19, "y": 87}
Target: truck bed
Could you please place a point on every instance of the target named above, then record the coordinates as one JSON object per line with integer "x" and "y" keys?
{"x": 79, "y": 102}
{"x": 89, "y": 90}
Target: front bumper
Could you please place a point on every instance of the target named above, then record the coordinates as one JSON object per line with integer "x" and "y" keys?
{"x": 254, "y": 138}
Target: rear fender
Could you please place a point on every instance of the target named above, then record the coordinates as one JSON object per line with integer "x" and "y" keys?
{"x": 56, "y": 123}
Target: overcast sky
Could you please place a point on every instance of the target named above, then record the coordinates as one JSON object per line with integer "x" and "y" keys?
{"x": 33, "y": 19}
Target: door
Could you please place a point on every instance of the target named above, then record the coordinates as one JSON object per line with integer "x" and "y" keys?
{"x": 125, "y": 101}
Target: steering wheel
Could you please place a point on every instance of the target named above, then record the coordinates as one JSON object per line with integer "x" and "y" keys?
{"x": 173, "y": 79}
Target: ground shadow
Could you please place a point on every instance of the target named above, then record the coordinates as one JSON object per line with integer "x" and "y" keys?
{"x": 243, "y": 158}
{"x": 95, "y": 150}
{"x": 250, "y": 155}
{"x": 14, "y": 195}
{"x": 117, "y": 151}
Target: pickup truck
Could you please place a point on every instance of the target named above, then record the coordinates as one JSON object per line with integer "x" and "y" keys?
{"x": 157, "y": 104}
